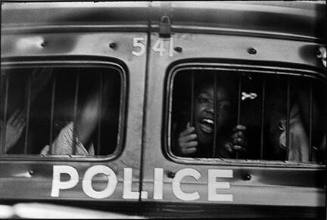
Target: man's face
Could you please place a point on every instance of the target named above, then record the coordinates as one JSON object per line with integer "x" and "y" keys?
{"x": 205, "y": 113}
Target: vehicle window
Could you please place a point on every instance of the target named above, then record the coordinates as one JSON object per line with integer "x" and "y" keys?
{"x": 60, "y": 110}
{"x": 247, "y": 115}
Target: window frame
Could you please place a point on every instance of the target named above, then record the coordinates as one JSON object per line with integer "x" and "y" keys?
{"x": 69, "y": 62}
{"x": 260, "y": 68}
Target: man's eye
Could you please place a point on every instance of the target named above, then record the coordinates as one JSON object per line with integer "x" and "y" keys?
{"x": 203, "y": 100}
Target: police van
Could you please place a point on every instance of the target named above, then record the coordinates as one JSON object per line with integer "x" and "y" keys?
{"x": 103, "y": 106}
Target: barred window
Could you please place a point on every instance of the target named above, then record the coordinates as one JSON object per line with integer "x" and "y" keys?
{"x": 221, "y": 113}
{"x": 60, "y": 110}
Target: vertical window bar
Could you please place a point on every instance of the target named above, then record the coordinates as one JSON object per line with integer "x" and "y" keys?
{"x": 310, "y": 121}
{"x": 215, "y": 115}
{"x": 53, "y": 96}
{"x": 100, "y": 113}
{"x": 262, "y": 118}
{"x": 192, "y": 99}
{"x": 288, "y": 109}
{"x": 239, "y": 100}
{"x": 5, "y": 109}
{"x": 239, "y": 105}
{"x": 2, "y": 92}
{"x": 75, "y": 112}
{"x": 28, "y": 109}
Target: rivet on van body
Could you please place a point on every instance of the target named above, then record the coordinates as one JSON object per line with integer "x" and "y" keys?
{"x": 247, "y": 177}
{"x": 178, "y": 49}
{"x": 113, "y": 45}
{"x": 31, "y": 172}
{"x": 170, "y": 174}
{"x": 252, "y": 51}
{"x": 44, "y": 44}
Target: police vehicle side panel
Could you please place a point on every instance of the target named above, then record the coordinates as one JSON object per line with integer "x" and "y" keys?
{"x": 238, "y": 182}
{"x": 44, "y": 37}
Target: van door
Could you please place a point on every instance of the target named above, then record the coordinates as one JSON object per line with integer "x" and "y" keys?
{"x": 216, "y": 184}
{"x": 72, "y": 98}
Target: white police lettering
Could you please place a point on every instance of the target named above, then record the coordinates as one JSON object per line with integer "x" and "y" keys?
{"x": 213, "y": 185}
{"x": 158, "y": 184}
{"x": 177, "y": 184}
{"x": 87, "y": 182}
{"x": 58, "y": 184}
{"x": 217, "y": 190}
{"x": 127, "y": 189}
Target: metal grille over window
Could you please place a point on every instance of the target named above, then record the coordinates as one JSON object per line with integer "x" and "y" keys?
{"x": 219, "y": 113}
{"x": 60, "y": 110}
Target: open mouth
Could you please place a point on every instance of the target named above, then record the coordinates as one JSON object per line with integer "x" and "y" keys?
{"x": 207, "y": 125}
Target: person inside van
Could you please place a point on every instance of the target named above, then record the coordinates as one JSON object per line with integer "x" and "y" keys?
{"x": 16, "y": 123}
{"x": 293, "y": 145}
{"x": 85, "y": 126}
{"x": 211, "y": 127}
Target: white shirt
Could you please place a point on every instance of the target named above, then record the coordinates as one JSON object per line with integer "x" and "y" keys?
{"x": 63, "y": 144}
{"x": 298, "y": 150}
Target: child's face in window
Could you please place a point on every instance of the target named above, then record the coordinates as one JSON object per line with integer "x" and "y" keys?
{"x": 206, "y": 110}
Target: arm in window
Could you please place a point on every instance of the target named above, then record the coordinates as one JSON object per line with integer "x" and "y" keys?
{"x": 188, "y": 144}
{"x": 14, "y": 128}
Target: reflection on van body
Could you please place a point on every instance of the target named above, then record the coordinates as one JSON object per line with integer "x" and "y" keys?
{"x": 184, "y": 109}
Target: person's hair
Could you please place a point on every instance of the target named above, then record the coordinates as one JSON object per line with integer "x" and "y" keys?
{"x": 225, "y": 83}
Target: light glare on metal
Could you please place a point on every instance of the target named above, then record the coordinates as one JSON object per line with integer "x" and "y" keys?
{"x": 322, "y": 54}
{"x": 248, "y": 95}
{"x": 30, "y": 43}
